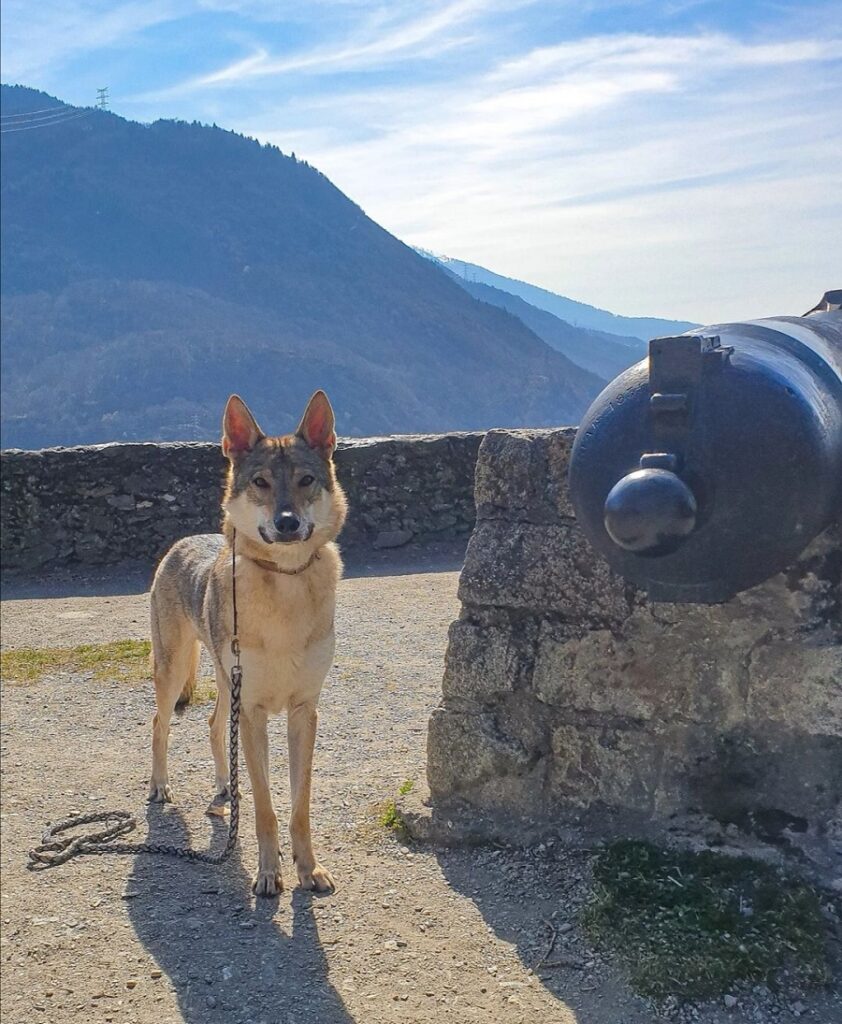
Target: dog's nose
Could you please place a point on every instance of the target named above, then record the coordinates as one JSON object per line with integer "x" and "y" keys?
{"x": 287, "y": 522}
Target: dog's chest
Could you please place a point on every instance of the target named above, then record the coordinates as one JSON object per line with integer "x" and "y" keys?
{"x": 286, "y": 640}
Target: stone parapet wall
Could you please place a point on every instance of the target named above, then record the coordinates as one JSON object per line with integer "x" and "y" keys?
{"x": 108, "y": 503}
{"x": 567, "y": 693}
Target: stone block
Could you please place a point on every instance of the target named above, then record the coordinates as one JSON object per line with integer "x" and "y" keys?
{"x": 602, "y": 764}
{"x": 465, "y": 750}
{"x": 545, "y": 569}
{"x": 521, "y": 475}
{"x": 797, "y": 685}
{"x": 483, "y": 663}
{"x": 598, "y": 672}
{"x": 689, "y": 671}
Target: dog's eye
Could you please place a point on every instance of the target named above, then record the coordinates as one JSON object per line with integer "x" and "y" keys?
{"x": 305, "y": 481}
{"x": 260, "y": 481}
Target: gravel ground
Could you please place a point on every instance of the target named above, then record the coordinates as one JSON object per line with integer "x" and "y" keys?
{"x": 411, "y": 935}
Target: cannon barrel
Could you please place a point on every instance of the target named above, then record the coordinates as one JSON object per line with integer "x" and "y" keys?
{"x": 710, "y": 466}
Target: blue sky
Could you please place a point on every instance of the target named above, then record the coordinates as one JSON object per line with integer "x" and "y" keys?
{"x": 678, "y": 158}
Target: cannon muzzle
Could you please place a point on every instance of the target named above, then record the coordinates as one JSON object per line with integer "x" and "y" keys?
{"x": 708, "y": 467}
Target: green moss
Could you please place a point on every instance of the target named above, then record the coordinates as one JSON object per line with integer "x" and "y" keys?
{"x": 126, "y": 660}
{"x": 693, "y": 924}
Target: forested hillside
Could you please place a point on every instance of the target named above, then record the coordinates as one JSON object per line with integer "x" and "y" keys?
{"x": 150, "y": 270}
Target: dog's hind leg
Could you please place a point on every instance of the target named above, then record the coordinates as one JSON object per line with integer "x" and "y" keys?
{"x": 218, "y": 721}
{"x": 174, "y": 659}
{"x": 189, "y": 686}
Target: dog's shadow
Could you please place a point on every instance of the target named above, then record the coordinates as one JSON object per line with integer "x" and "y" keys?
{"x": 226, "y": 956}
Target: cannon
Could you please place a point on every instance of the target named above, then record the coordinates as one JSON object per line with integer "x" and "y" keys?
{"x": 710, "y": 466}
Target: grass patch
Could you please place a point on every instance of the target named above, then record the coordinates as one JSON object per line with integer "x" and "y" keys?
{"x": 124, "y": 660}
{"x": 204, "y": 691}
{"x": 389, "y": 817}
{"x": 691, "y": 925}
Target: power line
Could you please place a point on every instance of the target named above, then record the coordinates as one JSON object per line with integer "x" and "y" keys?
{"x": 102, "y": 98}
{"x": 49, "y": 124}
{"x": 41, "y": 118}
{"x": 29, "y": 113}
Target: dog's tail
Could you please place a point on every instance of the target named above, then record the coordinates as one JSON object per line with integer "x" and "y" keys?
{"x": 189, "y": 687}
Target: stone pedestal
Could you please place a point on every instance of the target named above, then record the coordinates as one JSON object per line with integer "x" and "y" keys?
{"x": 567, "y": 695}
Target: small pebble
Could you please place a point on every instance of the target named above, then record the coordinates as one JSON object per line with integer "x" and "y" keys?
{"x": 730, "y": 1001}
{"x": 156, "y": 974}
{"x": 131, "y": 983}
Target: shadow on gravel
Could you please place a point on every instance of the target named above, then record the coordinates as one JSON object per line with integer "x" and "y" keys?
{"x": 79, "y": 581}
{"x": 441, "y": 556}
{"x": 518, "y": 892}
{"x": 228, "y": 958}
{"x": 136, "y": 577}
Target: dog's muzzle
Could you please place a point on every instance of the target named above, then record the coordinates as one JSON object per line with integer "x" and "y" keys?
{"x": 287, "y": 528}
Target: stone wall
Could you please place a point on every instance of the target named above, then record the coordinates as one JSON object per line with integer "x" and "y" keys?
{"x": 107, "y": 503}
{"x": 568, "y": 697}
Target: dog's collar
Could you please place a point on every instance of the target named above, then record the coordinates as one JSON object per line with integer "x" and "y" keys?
{"x": 264, "y": 563}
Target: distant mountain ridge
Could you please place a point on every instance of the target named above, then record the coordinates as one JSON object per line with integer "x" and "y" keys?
{"x": 603, "y": 354}
{"x": 577, "y": 314}
{"x": 150, "y": 270}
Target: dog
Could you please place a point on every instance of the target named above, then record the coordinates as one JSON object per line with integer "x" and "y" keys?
{"x": 284, "y": 502}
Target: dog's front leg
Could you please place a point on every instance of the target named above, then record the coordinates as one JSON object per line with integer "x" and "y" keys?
{"x": 218, "y": 722}
{"x": 301, "y": 730}
{"x": 267, "y": 881}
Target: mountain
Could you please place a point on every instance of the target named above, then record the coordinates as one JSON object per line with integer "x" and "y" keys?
{"x": 148, "y": 270}
{"x": 577, "y": 314}
{"x": 603, "y": 354}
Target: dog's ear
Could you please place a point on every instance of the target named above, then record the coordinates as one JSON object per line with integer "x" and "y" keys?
{"x": 240, "y": 432}
{"x": 318, "y": 426}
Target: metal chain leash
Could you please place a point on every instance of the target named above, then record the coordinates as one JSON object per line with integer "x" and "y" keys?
{"x": 53, "y": 850}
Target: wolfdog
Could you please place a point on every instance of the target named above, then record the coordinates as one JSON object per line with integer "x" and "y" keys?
{"x": 286, "y": 506}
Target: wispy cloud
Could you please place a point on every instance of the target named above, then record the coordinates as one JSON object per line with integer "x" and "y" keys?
{"x": 38, "y": 37}
{"x": 629, "y": 166}
{"x": 387, "y": 35}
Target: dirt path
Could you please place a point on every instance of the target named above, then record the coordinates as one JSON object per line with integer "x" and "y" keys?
{"x": 411, "y": 936}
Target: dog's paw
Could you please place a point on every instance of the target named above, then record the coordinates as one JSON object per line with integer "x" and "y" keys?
{"x": 160, "y": 793}
{"x": 218, "y": 807}
{"x": 267, "y": 883}
{"x": 317, "y": 880}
